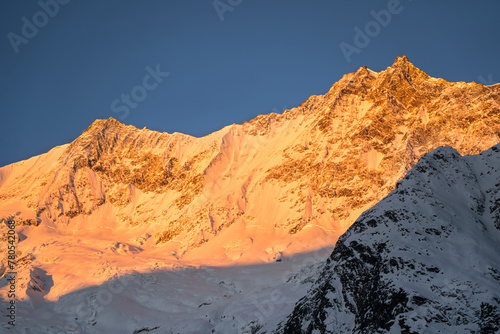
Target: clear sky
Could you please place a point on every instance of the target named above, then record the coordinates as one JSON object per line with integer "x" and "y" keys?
{"x": 227, "y": 61}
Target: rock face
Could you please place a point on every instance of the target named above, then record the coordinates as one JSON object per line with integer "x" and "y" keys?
{"x": 276, "y": 185}
{"x": 422, "y": 260}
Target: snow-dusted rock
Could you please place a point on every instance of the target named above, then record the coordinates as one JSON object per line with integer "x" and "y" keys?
{"x": 425, "y": 259}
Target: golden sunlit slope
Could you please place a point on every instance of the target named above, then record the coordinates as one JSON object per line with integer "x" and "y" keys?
{"x": 273, "y": 186}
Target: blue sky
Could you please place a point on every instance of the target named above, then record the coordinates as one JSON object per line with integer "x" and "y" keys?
{"x": 227, "y": 61}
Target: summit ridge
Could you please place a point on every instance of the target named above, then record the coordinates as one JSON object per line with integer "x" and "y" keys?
{"x": 265, "y": 190}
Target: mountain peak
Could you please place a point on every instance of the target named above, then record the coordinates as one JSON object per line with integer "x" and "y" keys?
{"x": 101, "y": 134}
{"x": 104, "y": 124}
{"x": 401, "y": 61}
{"x": 404, "y": 66}
{"x": 364, "y": 71}
{"x": 99, "y": 127}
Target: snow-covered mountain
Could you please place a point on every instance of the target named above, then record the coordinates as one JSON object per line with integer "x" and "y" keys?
{"x": 125, "y": 202}
{"x": 425, "y": 259}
